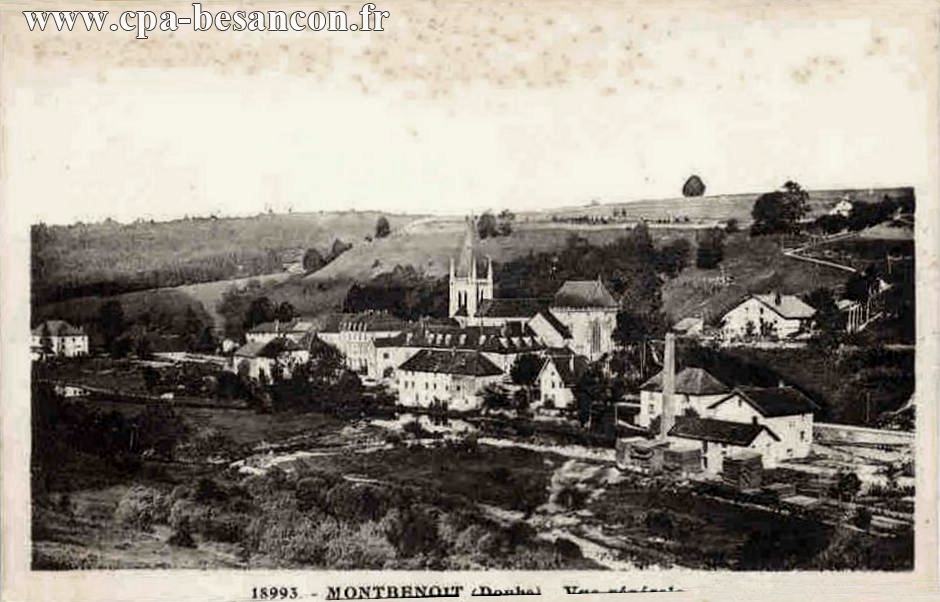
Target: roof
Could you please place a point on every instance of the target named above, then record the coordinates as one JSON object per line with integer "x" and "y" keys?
{"x": 583, "y": 293}
{"x": 689, "y": 381}
{"x": 740, "y": 434}
{"x": 370, "y": 321}
{"x": 491, "y": 339}
{"x": 569, "y": 368}
{"x": 523, "y": 307}
{"x": 469, "y": 251}
{"x": 772, "y": 402}
{"x": 269, "y": 349}
{"x": 690, "y": 323}
{"x": 295, "y": 325}
{"x": 58, "y": 328}
{"x": 440, "y": 361}
{"x": 789, "y": 306}
{"x": 556, "y": 323}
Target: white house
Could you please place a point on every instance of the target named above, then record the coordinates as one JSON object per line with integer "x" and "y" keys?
{"x": 719, "y": 439}
{"x": 695, "y": 391}
{"x": 268, "y": 357}
{"x": 57, "y": 337}
{"x": 589, "y": 312}
{"x": 784, "y": 410}
{"x": 557, "y": 378}
{"x": 843, "y": 208}
{"x": 295, "y": 330}
{"x": 453, "y": 376}
{"x": 354, "y": 335}
{"x": 768, "y": 316}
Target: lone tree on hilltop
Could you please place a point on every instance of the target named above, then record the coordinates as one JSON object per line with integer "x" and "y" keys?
{"x": 694, "y": 186}
{"x": 382, "y": 229}
{"x": 780, "y": 210}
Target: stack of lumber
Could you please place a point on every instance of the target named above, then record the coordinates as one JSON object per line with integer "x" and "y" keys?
{"x": 743, "y": 470}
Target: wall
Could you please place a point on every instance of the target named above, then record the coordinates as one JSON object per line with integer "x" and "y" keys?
{"x": 581, "y": 321}
{"x": 420, "y": 389}
{"x": 552, "y": 388}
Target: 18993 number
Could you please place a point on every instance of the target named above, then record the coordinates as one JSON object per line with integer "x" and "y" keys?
{"x": 273, "y": 593}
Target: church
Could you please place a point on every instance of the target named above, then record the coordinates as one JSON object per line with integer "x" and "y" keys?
{"x": 581, "y": 316}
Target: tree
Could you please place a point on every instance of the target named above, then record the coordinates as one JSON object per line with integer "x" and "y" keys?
{"x": 284, "y": 312}
{"x": 732, "y": 226}
{"x": 45, "y": 340}
{"x": 144, "y": 348}
{"x": 382, "y": 229}
{"x": 525, "y": 369}
{"x": 111, "y": 321}
{"x": 710, "y": 249}
{"x": 504, "y": 227}
{"x": 591, "y": 387}
{"x": 829, "y": 320}
{"x": 780, "y": 210}
{"x": 495, "y": 397}
{"x": 487, "y": 226}
{"x": 339, "y": 247}
{"x": 694, "y": 186}
{"x": 313, "y": 260}
{"x": 846, "y": 487}
{"x": 259, "y": 311}
{"x": 674, "y": 257}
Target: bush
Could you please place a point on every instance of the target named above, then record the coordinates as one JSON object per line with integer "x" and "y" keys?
{"x": 142, "y": 507}
{"x": 361, "y": 549}
{"x": 182, "y": 537}
{"x": 311, "y": 491}
{"x": 862, "y": 518}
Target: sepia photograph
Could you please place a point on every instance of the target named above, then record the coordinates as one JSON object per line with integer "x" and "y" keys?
{"x": 640, "y": 290}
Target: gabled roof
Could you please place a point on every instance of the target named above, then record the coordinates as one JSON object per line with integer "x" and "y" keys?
{"x": 491, "y": 339}
{"x": 523, "y": 307}
{"x": 583, "y": 293}
{"x": 689, "y": 381}
{"x": 369, "y": 321}
{"x": 569, "y": 368}
{"x": 555, "y": 323}
{"x": 58, "y": 328}
{"x": 740, "y": 434}
{"x": 689, "y": 323}
{"x": 772, "y": 402}
{"x": 789, "y": 306}
{"x": 277, "y": 326}
{"x": 441, "y": 361}
{"x": 268, "y": 349}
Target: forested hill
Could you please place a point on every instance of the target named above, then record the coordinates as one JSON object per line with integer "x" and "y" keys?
{"x": 109, "y": 257}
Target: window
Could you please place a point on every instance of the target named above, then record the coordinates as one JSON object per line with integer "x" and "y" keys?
{"x": 802, "y": 435}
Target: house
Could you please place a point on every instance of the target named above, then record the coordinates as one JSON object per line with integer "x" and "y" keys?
{"x": 842, "y": 208}
{"x": 689, "y": 327}
{"x": 451, "y": 376}
{"x": 589, "y": 312}
{"x": 58, "y": 338}
{"x": 695, "y": 391}
{"x": 719, "y": 439}
{"x": 267, "y": 357}
{"x": 501, "y": 345}
{"x": 354, "y": 335}
{"x": 768, "y": 316}
{"x": 557, "y": 378}
{"x": 784, "y": 410}
{"x": 295, "y": 329}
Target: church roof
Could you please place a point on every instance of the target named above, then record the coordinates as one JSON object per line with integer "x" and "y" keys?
{"x": 58, "y": 328}
{"x": 511, "y": 308}
{"x": 583, "y": 293}
{"x": 470, "y": 252}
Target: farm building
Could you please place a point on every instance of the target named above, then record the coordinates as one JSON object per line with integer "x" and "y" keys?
{"x": 267, "y": 357}
{"x": 453, "y": 376}
{"x": 784, "y": 410}
{"x": 718, "y": 439}
{"x": 557, "y": 378}
{"x": 768, "y": 316}
{"x": 59, "y": 338}
{"x": 695, "y": 390}
{"x": 295, "y": 330}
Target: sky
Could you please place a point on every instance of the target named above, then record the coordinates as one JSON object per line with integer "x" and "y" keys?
{"x": 461, "y": 108}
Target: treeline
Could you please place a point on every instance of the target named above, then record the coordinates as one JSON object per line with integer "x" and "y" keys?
{"x": 403, "y": 292}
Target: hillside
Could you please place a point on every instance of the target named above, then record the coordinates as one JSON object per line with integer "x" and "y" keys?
{"x": 109, "y": 257}
{"x": 707, "y": 208}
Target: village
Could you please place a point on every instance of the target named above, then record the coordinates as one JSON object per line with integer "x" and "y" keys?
{"x": 558, "y": 376}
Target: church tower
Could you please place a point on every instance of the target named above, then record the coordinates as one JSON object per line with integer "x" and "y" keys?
{"x": 469, "y": 286}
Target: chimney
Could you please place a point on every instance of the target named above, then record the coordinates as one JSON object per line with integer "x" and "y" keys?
{"x": 277, "y": 325}
{"x": 669, "y": 385}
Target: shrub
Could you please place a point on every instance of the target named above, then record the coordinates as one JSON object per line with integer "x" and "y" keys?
{"x": 311, "y": 491}
{"x": 862, "y": 518}
{"x": 182, "y": 537}
{"x": 361, "y": 549}
{"x": 142, "y": 507}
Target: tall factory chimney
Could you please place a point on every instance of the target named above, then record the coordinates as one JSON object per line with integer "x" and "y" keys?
{"x": 669, "y": 386}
